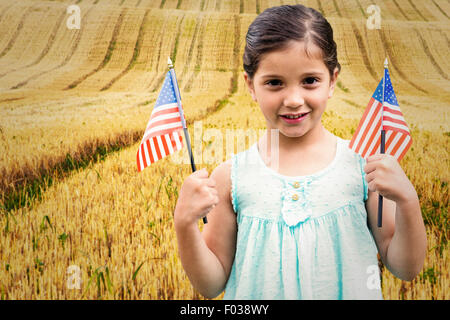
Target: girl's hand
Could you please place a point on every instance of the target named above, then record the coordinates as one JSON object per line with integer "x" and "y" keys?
{"x": 385, "y": 176}
{"x": 198, "y": 195}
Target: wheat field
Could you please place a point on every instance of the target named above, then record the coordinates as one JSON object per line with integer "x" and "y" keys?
{"x": 74, "y": 104}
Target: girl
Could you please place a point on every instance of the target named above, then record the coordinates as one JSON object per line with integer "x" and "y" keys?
{"x": 305, "y": 229}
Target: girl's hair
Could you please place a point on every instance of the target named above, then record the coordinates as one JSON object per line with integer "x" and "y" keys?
{"x": 276, "y": 26}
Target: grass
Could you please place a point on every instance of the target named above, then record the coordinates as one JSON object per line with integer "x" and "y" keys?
{"x": 342, "y": 87}
{"x": 32, "y": 187}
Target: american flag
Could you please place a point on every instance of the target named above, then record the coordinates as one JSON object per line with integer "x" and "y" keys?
{"x": 162, "y": 135}
{"x": 382, "y": 116}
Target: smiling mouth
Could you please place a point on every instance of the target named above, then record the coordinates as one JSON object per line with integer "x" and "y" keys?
{"x": 292, "y": 116}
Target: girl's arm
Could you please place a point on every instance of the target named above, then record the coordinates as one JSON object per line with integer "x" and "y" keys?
{"x": 402, "y": 239}
{"x": 206, "y": 257}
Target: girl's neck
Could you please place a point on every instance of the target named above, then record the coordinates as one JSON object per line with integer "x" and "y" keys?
{"x": 314, "y": 151}
{"x": 289, "y": 145}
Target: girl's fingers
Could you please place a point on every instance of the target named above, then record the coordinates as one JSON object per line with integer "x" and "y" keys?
{"x": 202, "y": 173}
{"x": 214, "y": 201}
{"x": 371, "y": 186}
{"x": 375, "y": 157}
{"x": 373, "y": 162}
{"x": 370, "y": 177}
{"x": 370, "y": 167}
{"x": 214, "y": 193}
{"x": 210, "y": 182}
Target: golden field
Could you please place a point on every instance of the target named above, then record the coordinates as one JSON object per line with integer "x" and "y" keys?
{"x": 74, "y": 104}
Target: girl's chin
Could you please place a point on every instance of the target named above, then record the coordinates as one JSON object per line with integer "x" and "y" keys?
{"x": 293, "y": 133}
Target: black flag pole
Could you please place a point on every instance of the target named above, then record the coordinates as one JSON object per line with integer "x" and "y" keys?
{"x": 183, "y": 121}
{"x": 380, "y": 197}
{"x": 382, "y": 147}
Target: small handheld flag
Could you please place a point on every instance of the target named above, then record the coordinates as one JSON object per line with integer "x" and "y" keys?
{"x": 382, "y": 128}
{"x": 162, "y": 136}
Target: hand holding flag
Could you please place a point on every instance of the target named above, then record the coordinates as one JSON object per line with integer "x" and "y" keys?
{"x": 197, "y": 197}
{"x": 382, "y": 128}
{"x": 385, "y": 176}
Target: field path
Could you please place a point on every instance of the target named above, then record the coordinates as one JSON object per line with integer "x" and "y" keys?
{"x": 189, "y": 59}
{"x": 107, "y": 57}
{"x": 394, "y": 63}
{"x": 50, "y": 42}
{"x": 16, "y": 33}
{"x": 364, "y": 53}
{"x": 72, "y": 47}
{"x": 166, "y": 49}
{"x": 136, "y": 51}
{"x": 430, "y": 56}
{"x": 443, "y": 12}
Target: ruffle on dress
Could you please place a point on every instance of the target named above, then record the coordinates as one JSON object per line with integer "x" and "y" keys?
{"x": 295, "y": 201}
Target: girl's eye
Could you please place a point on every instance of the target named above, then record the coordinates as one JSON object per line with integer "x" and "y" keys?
{"x": 310, "y": 80}
{"x": 274, "y": 83}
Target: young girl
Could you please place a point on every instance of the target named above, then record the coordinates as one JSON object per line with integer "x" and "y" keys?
{"x": 305, "y": 229}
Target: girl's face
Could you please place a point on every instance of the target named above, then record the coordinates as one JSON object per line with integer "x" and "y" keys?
{"x": 290, "y": 82}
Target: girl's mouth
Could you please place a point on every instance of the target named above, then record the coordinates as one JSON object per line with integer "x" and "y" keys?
{"x": 294, "y": 119}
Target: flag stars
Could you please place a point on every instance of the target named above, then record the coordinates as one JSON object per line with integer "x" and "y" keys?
{"x": 389, "y": 95}
{"x": 166, "y": 95}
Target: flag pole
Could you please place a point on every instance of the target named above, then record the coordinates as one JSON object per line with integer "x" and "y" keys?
{"x": 382, "y": 147}
{"x": 183, "y": 121}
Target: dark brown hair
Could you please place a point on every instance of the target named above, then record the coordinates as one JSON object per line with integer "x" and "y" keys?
{"x": 275, "y": 27}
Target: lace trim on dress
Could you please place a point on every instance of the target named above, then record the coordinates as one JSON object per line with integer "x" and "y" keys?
{"x": 295, "y": 204}
{"x": 233, "y": 183}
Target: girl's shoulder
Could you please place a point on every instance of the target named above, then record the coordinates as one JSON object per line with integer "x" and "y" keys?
{"x": 222, "y": 176}
{"x": 349, "y": 153}
{"x": 223, "y": 172}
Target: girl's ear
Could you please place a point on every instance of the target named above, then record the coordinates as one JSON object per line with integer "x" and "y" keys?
{"x": 333, "y": 82}
{"x": 250, "y": 86}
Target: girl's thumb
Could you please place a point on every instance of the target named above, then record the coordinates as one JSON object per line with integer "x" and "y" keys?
{"x": 202, "y": 172}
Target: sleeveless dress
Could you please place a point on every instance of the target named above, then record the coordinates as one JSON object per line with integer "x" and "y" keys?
{"x": 303, "y": 237}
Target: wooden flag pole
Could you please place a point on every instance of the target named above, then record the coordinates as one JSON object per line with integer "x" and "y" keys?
{"x": 382, "y": 147}
{"x": 183, "y": 121}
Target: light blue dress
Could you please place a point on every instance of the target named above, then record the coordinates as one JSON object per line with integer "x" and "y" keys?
{"x": 303, "y": 237}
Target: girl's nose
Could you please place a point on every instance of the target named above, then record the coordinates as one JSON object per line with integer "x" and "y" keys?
{"x": 294, "y": 98}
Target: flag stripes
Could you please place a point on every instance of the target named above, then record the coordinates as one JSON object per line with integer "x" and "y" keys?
{"x": 156, "y": 148}
{"x": 165, "y": 114}
{"x": 382, "y": 115}
{"x": 368, "y": 129}
{"x": 393, "y": 119}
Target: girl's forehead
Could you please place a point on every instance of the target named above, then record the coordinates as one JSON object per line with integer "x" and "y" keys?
{"x": 304, "y": 49}
{"x": 296, "y": 54}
